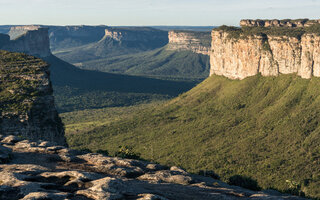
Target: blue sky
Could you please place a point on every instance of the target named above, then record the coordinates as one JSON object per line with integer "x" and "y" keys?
{"x": 152, "y": 12}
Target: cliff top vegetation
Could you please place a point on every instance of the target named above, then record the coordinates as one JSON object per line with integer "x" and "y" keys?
{"x": 244, "y": 32}
{"x": 19, "y": 83}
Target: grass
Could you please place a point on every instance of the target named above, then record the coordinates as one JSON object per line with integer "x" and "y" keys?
{"x": 80, "y": 122}
{"x": 262, "y": 128}
{"x": 77, "y": 89}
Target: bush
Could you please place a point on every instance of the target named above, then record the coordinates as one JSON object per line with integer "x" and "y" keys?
{"x": 126, "y": 152}
{"x": 244, "y": 181}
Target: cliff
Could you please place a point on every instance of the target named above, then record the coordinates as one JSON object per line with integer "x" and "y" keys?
{"x": 32, "y": 40}
{"x": 17, "y": 31}
{"x": 143, "y": 38}
{"x": 26, "y": 102}
{"x": 239, "y": 53}
{"x": 278, "y": 23}
{"x": 198, "y": 42}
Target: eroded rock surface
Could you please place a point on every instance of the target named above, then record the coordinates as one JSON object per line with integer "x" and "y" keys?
{"x": 40, "y": 170}
{"x": 197, "y": 42}
{"x": 238, "y": 55}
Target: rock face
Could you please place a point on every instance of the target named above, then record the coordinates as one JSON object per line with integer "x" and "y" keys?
{"x": 143, "y": 38}
{"x": 32, "y": 40}
{"x": 17, "y": 31}
{"x": 198, "y": 42}
{"x": 270, "y": 55}
{"x": 39, "y": 170}
{"x": 278, "y": 23}
{"x": 26, "y": 103}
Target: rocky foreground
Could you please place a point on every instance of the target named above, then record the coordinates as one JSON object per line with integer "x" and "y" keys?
{"x": 40, "y": 170}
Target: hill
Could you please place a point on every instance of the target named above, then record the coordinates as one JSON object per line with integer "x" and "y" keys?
{"x": 265, "y": 128}
{"x": 115, "y": 42}
{"x": 158, "y": 62}
{"x": 76, "y": 89}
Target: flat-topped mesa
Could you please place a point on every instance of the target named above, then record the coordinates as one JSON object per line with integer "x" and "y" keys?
{"x": 198, "y": 42}
{"x": 278, "y": 23}
{"x": 26, "y": 102}
{"x": 239, "y": 53}
{"x": 32, "y": 40}
{"x": 17, "y": 31}
{"x": 137, "y": 37}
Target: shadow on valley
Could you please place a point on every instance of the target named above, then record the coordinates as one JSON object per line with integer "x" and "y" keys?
{"x": 76, "y": 89}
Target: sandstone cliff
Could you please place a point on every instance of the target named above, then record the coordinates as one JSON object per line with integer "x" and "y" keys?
{"x": 198, "y": 42}
{"x": 278, "y": 23}
{"x": 32, "y": 40}
{"x": 238, "y": 54}
{"x": 26, "y": 102}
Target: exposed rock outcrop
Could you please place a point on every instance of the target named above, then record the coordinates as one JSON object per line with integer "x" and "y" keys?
{"x": 198, "y": 42}
{"x": 238, "y": 55}
{"x": 32, "y": 40}
{"x": 278, "y": 23}
{"x": 38, "y": 170}
{"x": 17, "y": 31}
{"x": 26, "y": 103}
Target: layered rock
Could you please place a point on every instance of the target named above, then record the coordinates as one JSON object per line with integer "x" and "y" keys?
{"x": 143, "y": 38}
{"x": 17, "y": 31}
{"x": 247, "y": 55}
{"x": 32, "y": 40}
{"x": 278, "y": 23}
{"x": 198, "y": 42}
{"x": 26, "y": 102}
{"x": 54, "y": 172}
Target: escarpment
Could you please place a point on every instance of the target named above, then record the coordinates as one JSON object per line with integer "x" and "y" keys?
{"x": 239, "y": 53}
{"x": 32, "y": 40}
{"x": 198, "y": 42}
{"x": 26, "y": 102}
{"x": 143, "y": 38}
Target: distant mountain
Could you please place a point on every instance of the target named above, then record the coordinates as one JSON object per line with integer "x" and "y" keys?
{"x": 63, "y": 37}
{"x": 76, "y": 89}
{"x": 185, "y": 28}
{"x": 117, "y": 41}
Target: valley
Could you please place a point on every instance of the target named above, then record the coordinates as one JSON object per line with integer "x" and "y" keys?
{"x": 221, "y": 105}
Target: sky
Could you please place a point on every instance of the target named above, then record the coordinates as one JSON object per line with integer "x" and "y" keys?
{"x": 152, "y": 12}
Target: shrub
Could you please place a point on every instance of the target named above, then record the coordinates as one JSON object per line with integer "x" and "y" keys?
{"x": 244, "y": 181}
{"x": 126, "y": 152}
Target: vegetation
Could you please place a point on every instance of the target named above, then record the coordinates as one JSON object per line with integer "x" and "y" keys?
{"x": 19, "y": 85}
{"x": 81, "y": 122}
{"x": 160, "y": 62}
{"x": 76, "y": 89}
{"x": 244, "y": 32}
{"x": 262, "y": 128}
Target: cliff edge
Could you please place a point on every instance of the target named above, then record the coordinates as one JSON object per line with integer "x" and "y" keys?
{"x": 241, "y": 52}
{"x": 32, "y": 40}
{"x": 26, "y": 102}
{"x": 197, "y": 42}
